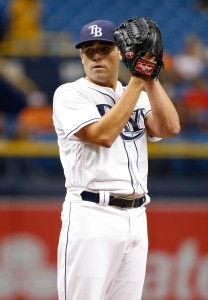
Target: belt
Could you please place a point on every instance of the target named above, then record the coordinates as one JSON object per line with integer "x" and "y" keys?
{"x": 114, "y": 201}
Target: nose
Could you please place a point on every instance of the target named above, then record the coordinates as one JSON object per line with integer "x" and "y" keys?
{"x": 96, "y": 55}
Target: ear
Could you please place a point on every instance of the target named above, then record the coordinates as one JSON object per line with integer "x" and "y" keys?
{"x": 81, "y": 55}
{"x": 120, "y": 56}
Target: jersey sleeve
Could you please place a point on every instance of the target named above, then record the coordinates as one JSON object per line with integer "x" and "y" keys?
{"x": 72, "y": 110}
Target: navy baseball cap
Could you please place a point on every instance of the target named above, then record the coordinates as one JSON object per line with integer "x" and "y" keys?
{"x": 100, "y": 30}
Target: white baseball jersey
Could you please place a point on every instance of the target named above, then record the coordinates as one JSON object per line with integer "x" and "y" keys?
{"x": 120, "y": 169}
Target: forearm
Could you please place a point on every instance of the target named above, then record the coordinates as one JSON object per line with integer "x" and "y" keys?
{"x": 106, "y": 130}
{"x": 164, "y": 120}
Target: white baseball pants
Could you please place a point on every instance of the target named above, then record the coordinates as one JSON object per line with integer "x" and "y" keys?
{"x": 102, "y": 252}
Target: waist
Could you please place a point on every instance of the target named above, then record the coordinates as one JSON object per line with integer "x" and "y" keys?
{"x": 123, "y": 201}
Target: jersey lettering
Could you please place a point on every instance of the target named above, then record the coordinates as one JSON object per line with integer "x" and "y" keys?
{"x": 134, "y": 128}
{"x": 103, "y": 108}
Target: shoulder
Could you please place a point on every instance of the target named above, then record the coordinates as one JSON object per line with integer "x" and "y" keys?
{"x": 72, "y": 88}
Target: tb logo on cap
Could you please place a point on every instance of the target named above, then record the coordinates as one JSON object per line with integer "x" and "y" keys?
{"x": 97, "y": 31}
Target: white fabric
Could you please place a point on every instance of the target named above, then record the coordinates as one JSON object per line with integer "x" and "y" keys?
{"x": 104, "y": 197}
{"x": 120, "y": 169}
{"x": 102, "y": 249}
{"x": 102, "y": 252}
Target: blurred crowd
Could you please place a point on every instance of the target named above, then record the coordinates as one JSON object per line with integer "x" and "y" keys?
{"x": 186, "y": 80}
{"x": 21, "y": 19}
{"x": 26, "y": 109}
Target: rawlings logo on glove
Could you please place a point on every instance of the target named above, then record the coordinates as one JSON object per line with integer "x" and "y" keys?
{"x": 145, "y": 67}
{"x": 135, "y": 37}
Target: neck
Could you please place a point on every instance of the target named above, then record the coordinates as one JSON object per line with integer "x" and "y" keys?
{"x": 104, "y": 84}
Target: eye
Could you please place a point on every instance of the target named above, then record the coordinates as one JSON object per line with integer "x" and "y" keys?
{"x": 101, "y": 49}
{"x": 90, "y": 51}
{"x": 105, "y": 49}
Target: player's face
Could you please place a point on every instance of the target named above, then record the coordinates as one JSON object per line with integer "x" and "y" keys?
{"x": 101, "y": 62}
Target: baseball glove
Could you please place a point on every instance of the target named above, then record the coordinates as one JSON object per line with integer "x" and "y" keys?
{"x": 135, "y": 37}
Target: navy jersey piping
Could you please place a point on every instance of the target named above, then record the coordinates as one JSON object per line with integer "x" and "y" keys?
{"x": 103, "y": 94}
{"x": 137, "y": 163}
{"x": 76, "y": 129}
{"x": 65, "y": 267}
{"x": 130, "y": 173}
{"x": 147, "y": 113}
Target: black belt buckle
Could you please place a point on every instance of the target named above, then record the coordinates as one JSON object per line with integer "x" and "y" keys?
{"x": 126, "y": 202}
{"x": 133, "y": 203}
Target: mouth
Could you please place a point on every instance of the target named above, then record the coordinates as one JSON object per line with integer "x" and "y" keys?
{"x": 97, "y": 66}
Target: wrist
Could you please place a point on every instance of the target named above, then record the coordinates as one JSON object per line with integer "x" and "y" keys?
{"x": 150, "y": 81}
{"x": 138, "y": 79}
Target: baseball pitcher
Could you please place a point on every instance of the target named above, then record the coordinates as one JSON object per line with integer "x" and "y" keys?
{"x": 103, "y": 129}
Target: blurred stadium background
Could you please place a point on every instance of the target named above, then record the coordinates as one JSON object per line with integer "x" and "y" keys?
{"x": 37, "y": 54}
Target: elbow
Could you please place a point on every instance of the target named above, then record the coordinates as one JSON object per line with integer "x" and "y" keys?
{"x": 176, "y": 129}
{"x": 106, "y": 143}
{"x": 99, "y": 140}
{"x": 173, "y": 131}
